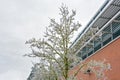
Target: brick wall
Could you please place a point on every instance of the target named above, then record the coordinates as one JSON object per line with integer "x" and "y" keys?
{"x": 112, "y": 55}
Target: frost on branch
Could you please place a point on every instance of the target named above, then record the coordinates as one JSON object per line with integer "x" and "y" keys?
{"x": 98, "y": 68}
{"x": 54, "y": 49}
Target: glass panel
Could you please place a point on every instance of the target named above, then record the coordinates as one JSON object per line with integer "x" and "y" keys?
{"x": 105, "y": 36}
{"x": 91, "y": 52}
{"x": 116, "y": 34}
{"x": 115, "y": 27}
{"x": 96, "y": 43}
{"x": 83, "y": 57}
{"x": 97, "y": 47}
{"x": 107, "y": 41}
{"x": 106, "y": 33}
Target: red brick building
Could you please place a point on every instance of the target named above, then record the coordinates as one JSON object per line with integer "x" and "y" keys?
{"x": 104, "y": 42}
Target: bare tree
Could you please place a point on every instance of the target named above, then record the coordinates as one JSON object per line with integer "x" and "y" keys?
{"x": 54, "y": 47}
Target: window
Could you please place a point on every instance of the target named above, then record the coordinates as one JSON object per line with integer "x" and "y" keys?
{"x": 107, "y": 41}
{"x": 90, "y": 53}
{"x": 116, "y": 34}
{"x": 97, "y": 44}
{"x": 83, "y": 57}
{"x": 108, "y": 34}
{"x": 115, "y": 29}
{"x": 97, "y": 47}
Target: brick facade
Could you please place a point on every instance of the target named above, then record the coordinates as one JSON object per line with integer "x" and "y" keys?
{"x": 111, "y": 53}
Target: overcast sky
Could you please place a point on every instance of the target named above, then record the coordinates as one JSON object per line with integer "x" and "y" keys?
{"x": 21, "y": 20}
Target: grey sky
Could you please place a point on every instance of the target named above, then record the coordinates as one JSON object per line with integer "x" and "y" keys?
{"x": 21, "y": 20}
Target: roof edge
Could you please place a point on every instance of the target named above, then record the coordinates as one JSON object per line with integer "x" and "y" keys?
{"x": 91, "y": 20}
